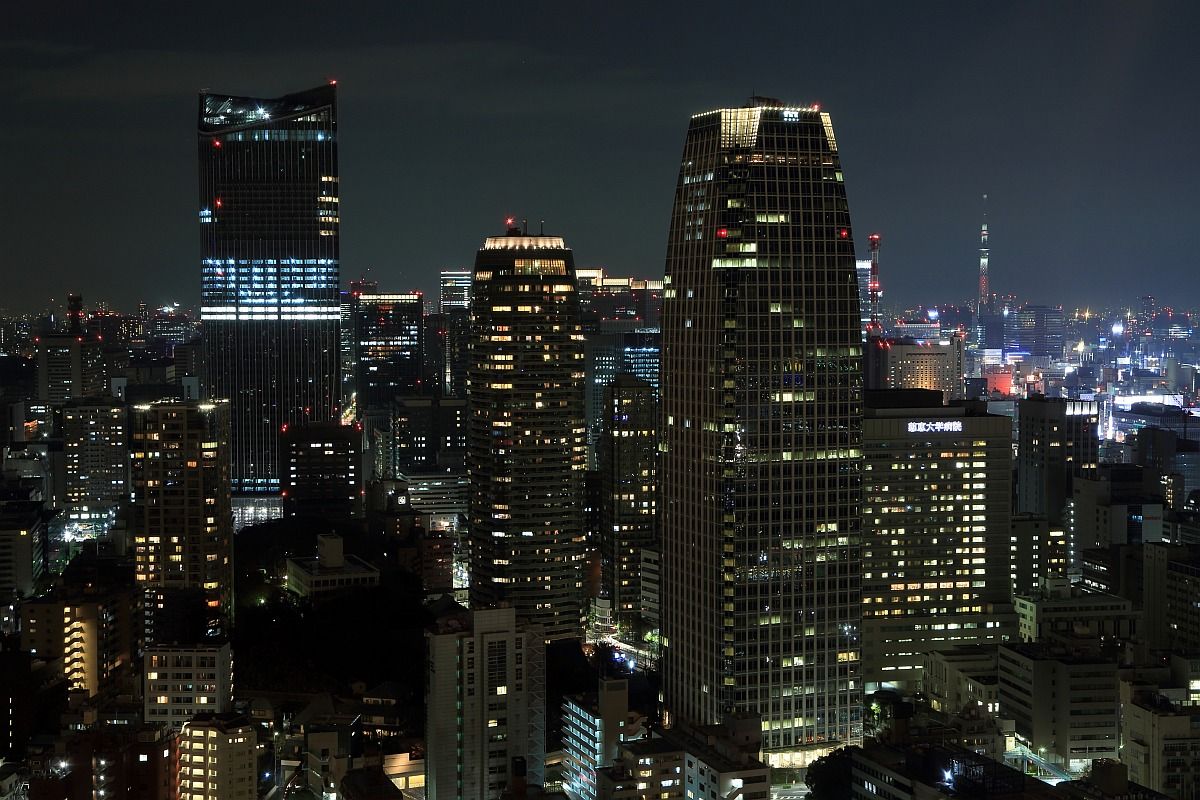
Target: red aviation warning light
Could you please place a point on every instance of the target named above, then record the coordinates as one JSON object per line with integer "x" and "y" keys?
{"x": 216, "y": 142}
{"x": 722, "y": 233}
{"x": 844, "y": 233}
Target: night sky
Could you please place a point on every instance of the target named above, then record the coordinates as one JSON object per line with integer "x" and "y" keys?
{"x": 1078, "y": 119}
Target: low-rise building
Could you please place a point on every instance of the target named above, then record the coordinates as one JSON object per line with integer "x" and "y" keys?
{"x": 961, "y": 678}
{"x": 1065, "y": 705}
{"x": 908, "y": 772}
{"x": 1160, "y": 727}
{"x": 718, "y": 761}
{"x": 593, "y": 725}
{"x": 218, "y": 758}
{"x": 329, "y": 572}
{"x": 1059, "y": 609}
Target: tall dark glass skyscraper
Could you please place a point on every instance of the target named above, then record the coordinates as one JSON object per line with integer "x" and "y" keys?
{"x": 526, "y": 445}
{"x": 761, "y": 442}
{"x": 269, "y": 258}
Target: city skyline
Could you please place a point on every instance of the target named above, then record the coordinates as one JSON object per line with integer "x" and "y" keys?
{"x": 927, "y": 140}
{"x": 602, "y": 513}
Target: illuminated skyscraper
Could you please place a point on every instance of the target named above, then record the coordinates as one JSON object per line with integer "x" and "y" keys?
{"x": 455, "y": 294}
{"x": 526, "y": 451}
{"x": 628, "y": 461}
{"x": 269, "y": 219}
{"x": 453, "y": 333}
{"x": 762, "y": 438}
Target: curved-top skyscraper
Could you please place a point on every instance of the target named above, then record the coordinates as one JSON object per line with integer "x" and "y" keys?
{"x": 526, "y": 447}
{"x": 762, "y": 452}
{"x": 269, "y": 219}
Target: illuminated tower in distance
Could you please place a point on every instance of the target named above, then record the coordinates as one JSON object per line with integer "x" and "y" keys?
{"x": 985, "y": 295}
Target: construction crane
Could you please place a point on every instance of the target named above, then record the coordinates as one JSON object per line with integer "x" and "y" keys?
{"x": 874, "y": 328}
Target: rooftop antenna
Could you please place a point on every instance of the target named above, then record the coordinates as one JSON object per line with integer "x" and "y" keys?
{"x": 524, "y": 226}
{"x": 874, "y": 328}
{"x": 542, "y": 228}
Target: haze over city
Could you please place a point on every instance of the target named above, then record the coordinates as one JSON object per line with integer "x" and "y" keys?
{"x": 1073, "y": 117}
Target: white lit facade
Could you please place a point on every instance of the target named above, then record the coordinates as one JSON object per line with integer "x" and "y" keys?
{"x": 937, "y": 488}
{"x": 218, "y": 759}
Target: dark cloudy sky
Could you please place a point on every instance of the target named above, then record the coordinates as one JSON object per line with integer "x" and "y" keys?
{"x": 1079, "y": 119}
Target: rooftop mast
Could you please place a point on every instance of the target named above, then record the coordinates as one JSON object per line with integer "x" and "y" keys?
{"x": 874, "y": 328}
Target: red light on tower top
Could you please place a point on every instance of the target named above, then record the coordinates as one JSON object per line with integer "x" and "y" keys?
{"x": 510, "y": 221}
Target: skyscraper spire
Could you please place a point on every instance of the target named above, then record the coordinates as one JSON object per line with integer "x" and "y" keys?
{"x": 984, "y": 289}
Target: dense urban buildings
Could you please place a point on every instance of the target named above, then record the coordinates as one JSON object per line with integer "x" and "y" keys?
{"x": 761, "y": 384}
{"x": 533, "y": 529}
{"x": 269, "y": 219}
{"x": 526, "y": 450}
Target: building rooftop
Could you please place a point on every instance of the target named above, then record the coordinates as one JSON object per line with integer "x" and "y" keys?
{"x": 351, "y": 565}
{"x": 226, "y": 722}
{"x": 705, "y": 748}
{"x": 1042, "y": 652}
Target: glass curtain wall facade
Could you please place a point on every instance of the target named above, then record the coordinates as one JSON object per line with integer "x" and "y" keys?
{"x": 268, "y": 209}
{"x": 527, "y": 450}
{"x": 762, "y": 438}
{"x": 388, "y": 347}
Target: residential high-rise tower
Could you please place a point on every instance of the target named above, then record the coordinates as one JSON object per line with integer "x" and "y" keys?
{"x": 269, "y": 217}
{"x": 526, "y": 445}
{"x": 180, "y": 518}
{"x": 761, "y": 442}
